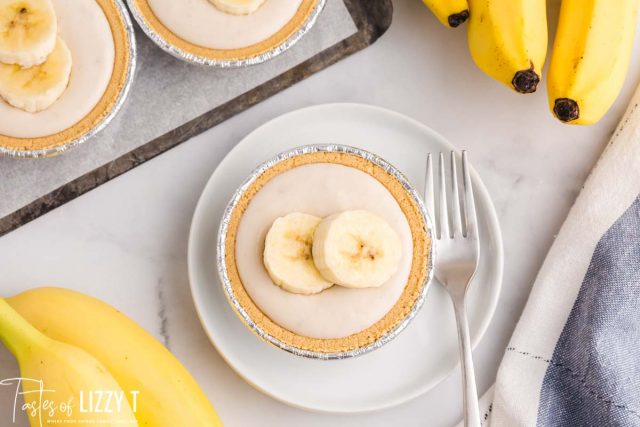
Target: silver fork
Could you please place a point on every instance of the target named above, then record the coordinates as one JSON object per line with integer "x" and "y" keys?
{"x": 458, "y": 251}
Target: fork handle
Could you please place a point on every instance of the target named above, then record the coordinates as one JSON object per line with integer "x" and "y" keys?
{"x": 470, "y": 395}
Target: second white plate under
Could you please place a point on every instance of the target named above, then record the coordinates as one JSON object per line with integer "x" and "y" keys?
{"x": 424, "y": 354}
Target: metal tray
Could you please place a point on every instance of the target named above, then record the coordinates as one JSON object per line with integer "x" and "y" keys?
{"x": 372, "y": 19}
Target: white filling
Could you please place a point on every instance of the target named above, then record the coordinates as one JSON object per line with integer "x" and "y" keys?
{"x": 201, "y": 23}
{"x": 319, "y": 189}
{"x": 84, "y": 27}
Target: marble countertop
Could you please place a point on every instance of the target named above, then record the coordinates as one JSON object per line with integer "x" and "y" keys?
{"x": 126, "y": 242}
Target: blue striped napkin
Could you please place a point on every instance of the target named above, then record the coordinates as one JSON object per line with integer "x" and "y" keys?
{"x": 574, "y": 357}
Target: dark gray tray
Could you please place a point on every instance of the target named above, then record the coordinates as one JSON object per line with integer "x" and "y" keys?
{"x": 371, "y": 17}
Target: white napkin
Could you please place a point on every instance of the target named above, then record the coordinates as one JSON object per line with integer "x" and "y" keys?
{"x": 574, "y": 357}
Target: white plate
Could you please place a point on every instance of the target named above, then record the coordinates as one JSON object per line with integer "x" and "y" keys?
{"x": 424, "y": 354}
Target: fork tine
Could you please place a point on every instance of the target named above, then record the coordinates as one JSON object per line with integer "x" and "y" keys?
{"x": 429, "y": 195}
{"x": 444, "y": 217}
{"x": 469, "y": 203}
{"x": 456, "y": 220}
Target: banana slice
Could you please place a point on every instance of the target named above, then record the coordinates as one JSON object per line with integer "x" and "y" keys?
{"x": 287, "y": 254}
{"x": 27, "y": 31}
{"x": 36, "y": 88}
{"x": 356, "y": 249}
{"x": 237, "y": 7}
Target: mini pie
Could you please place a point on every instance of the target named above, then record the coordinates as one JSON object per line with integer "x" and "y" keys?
{"x": 120, "y": 78}
{"x": 186, "y": 50}
{"x": 410, "y": 298}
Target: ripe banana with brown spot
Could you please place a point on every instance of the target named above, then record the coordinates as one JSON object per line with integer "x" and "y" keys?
{"x": 452, "y": 13}
{"x": 508, "y": 40}
{"x": 590, "y": 57}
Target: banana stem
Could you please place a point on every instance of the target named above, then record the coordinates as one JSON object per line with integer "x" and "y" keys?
{"x": 15, "y": 332}
{"x": 457, "y": 19}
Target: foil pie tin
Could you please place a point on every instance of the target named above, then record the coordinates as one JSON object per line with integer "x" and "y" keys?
{"x": 223, "y": 269}
{"x": 199, "y": 59}
{"x": 124, "y": 89}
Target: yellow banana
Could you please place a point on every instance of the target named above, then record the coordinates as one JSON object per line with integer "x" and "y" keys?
{"x": 508, "y": 40}
{"x": 451, "y": 13}
{"x": 590, "y": 57}
{"x": 60, "y": 383}
{"x": 168, "y": 395}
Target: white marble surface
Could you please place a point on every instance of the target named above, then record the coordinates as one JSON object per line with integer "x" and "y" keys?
{"x": 126, "y": 241}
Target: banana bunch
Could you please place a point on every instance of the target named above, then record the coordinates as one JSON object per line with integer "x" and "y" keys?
{"x": 74, "y": 342}
{"x": 590, "y": 58}
{"x": 508, "y": 41}
{"x": 59, "y": 373}
{"x": 35, "y": 64}
{"x": 452, "y": 13}
{"x": 304, "y": 254}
